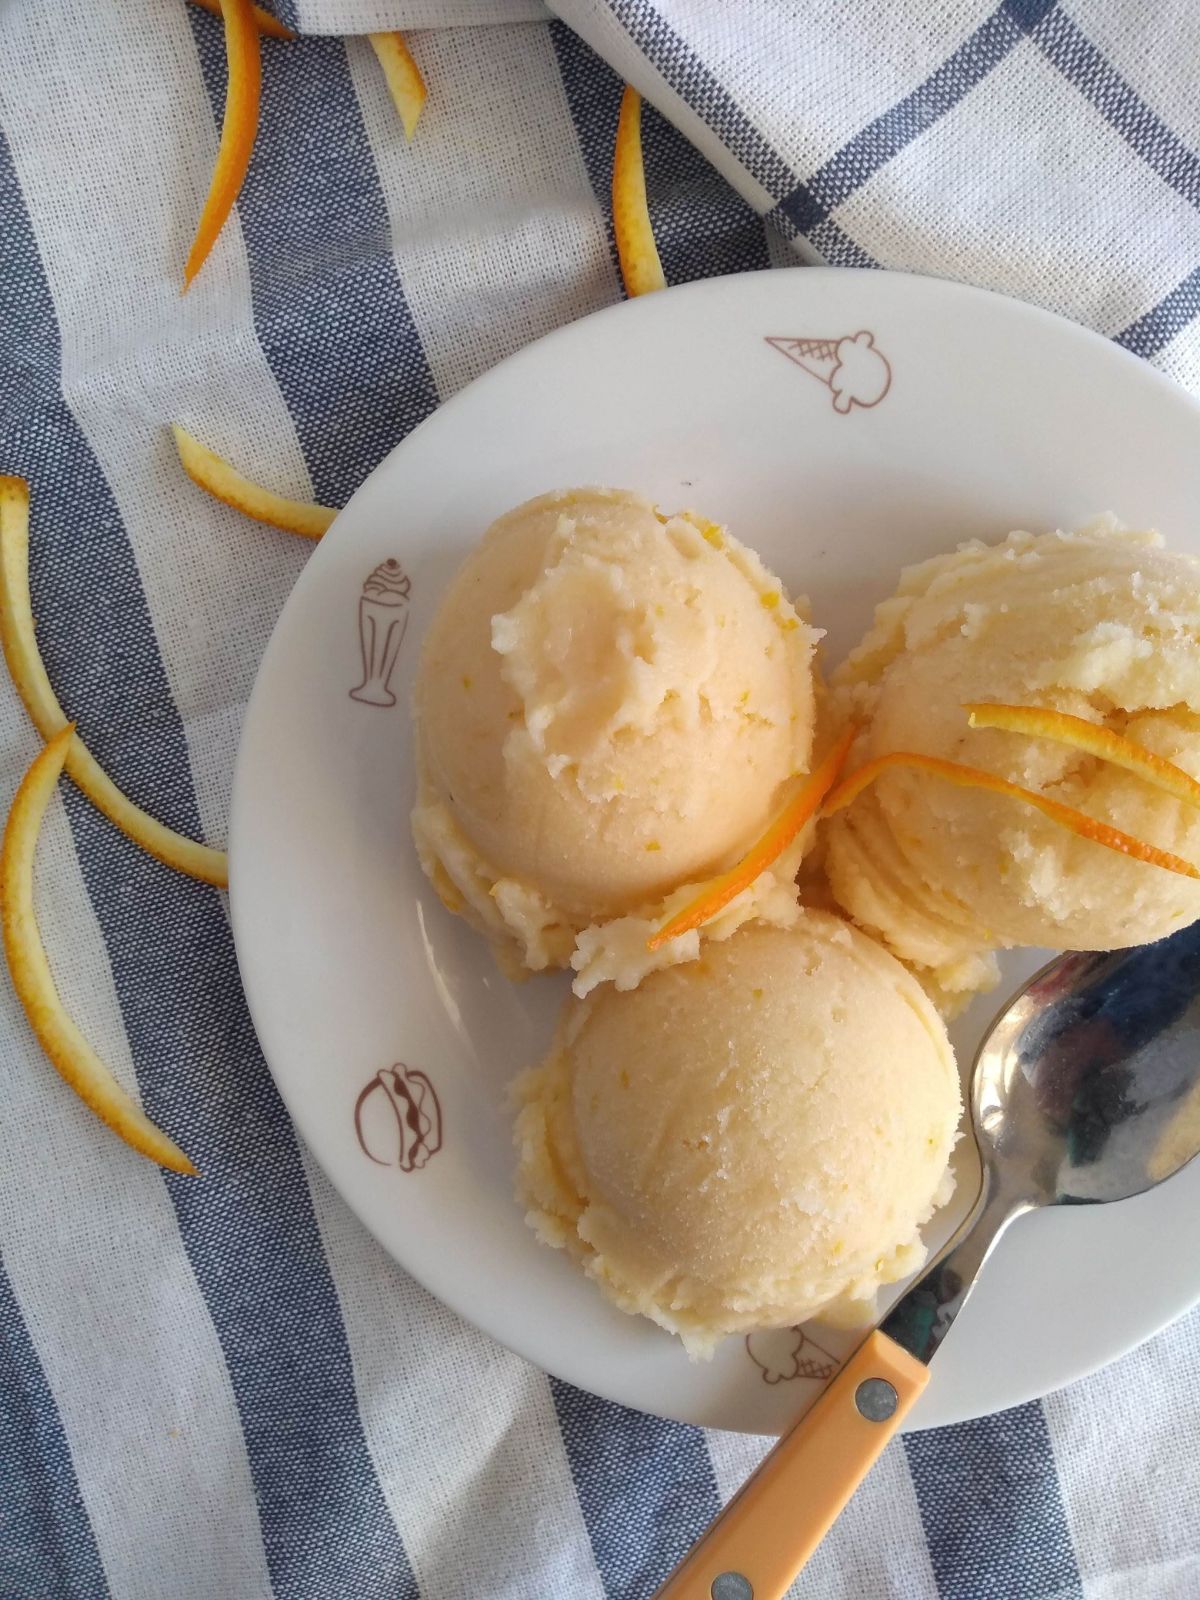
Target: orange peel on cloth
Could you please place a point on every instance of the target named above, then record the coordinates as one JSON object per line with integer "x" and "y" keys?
{"x": 33, "y": 684}
{"x": 208, "y": 471}
{"x": 403, "y": 76}
{"x": 77, "y": 1063}
{"x": 270, "y": 27}
{"x": 975, "y": 778}
{"x": 637, "y": 252}
{"x": 238, "y": 128}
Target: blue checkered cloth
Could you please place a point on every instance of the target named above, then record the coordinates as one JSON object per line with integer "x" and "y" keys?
{"x": 223, "y": 1390}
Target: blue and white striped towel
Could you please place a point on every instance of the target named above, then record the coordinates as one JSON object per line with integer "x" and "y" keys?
{"x": 222, "y": 1390}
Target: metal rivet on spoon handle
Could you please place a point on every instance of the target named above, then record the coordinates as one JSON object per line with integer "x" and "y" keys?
{"x": 731, "y": 1586}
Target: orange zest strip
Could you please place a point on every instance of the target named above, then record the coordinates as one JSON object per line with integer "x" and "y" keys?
{"x": 636, "y": 250}
{"x": 1043, "y": 723}
{"x": 216, "y": 477}
{"x": 237, "y": 130}
{"x": 801, "y": 808}
{"x": 270, "y": 27}
{"x": 404, "y": 80}
{"x": 974, "y": 778}
{"x": 32, "y": 683}
{"x": 76, "y": 1061}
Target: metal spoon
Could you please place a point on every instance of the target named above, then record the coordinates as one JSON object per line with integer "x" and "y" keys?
{"x": 1086, "y": 1089}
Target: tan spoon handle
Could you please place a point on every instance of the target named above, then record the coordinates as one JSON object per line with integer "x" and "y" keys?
{"x": 780, "y": 1515}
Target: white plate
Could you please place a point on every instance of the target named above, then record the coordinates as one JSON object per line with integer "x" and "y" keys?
{"x": 996, "y": 416}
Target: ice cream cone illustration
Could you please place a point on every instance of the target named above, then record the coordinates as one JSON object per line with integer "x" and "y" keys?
{"x": 786, "y": 1353}
{"x": 398, "y": 1119}
{"x": 382, "y": 619}
{"x": 818, "y": 356}
{"x": 854, "y": 371}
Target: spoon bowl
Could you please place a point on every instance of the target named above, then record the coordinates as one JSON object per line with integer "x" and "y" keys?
{"x": 1086, "y": 1089}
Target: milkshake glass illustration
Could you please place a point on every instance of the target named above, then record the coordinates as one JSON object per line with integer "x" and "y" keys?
{"x": 382, "y": 619}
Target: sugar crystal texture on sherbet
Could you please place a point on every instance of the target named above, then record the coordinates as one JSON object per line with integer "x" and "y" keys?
{"x": 1102, "y": 624}
{"x": 747, "y": 1139}
{"x": 611, "y": 707}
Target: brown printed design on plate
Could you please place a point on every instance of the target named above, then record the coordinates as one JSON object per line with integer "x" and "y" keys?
{"x": 786, "y": 1353}
{"x": 398, "y": 1119}
{"x": 854, "y": 371}
{"x": 382, "y": 622}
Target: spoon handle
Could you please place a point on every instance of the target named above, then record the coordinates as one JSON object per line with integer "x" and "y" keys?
{"x": 773, "y": 1524}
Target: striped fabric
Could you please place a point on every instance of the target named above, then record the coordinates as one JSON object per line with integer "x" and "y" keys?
{"x": 223, "y": 1390}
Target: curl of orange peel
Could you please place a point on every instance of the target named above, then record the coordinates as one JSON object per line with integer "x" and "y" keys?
{"x": 974, "y": 778}
{"x": 238, "y": 128}
{"x": 716, "y": 894}
{"x": 405, "y": 83}
{"x": 1062, "y": 728}
{"x": 37, "y": 695}
{"x": 636, "y": 250}
{"x": 216, "y": 477}
{"x": 270, "y": 27}
{"x": 76, "y": 1061}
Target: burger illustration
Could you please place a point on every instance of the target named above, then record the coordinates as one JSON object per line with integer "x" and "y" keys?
{"x": 398, "y": 1119}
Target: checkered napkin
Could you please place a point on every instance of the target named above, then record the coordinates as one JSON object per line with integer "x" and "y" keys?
{"x": 221, "y": 1390}
{"x": 1047, "y": 151}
